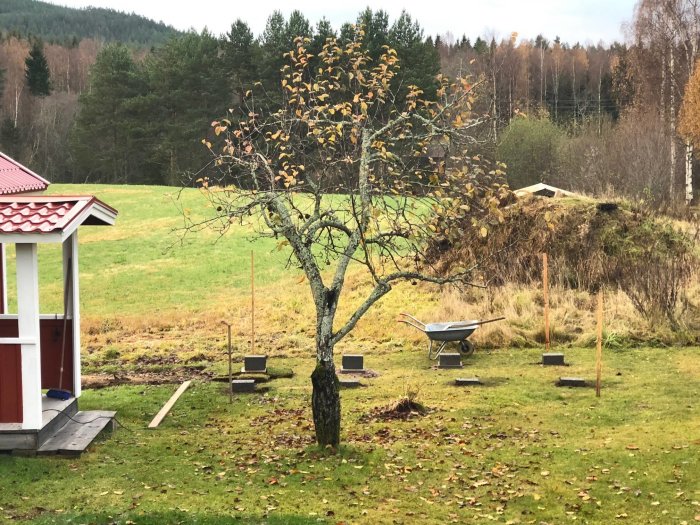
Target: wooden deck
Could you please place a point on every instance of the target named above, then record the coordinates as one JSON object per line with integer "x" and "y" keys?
{"x": 77, "y": 435}
{"x": 64, "y": 430}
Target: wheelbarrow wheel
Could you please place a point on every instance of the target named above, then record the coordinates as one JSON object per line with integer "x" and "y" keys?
{"x": 467, "y": 347}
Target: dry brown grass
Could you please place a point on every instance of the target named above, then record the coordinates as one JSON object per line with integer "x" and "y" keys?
{"x": 285, "y": 324}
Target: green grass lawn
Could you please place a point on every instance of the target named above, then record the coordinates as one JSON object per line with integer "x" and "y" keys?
{"x": 143, "y": 266}
{"x": 516, "y": 450}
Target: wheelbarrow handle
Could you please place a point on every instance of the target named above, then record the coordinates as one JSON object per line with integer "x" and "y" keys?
{"x": 477, "y": 323}
{"x": 412, "y": 318}
{"x": 415, "y": 323}
{"x": 490, "y": 320}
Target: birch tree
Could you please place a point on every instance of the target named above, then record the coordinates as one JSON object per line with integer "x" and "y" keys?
{"x": 343, "y": 177}
{"x": 673, "y": 27}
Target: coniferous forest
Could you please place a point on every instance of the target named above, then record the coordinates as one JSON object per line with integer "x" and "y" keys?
{"x": 99, "y": 96}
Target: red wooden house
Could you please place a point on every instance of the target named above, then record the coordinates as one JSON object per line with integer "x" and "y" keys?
{"x": 42, "y": 351}
{"x": 15, "y": 179}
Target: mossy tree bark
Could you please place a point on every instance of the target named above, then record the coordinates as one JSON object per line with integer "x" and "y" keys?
{"x": 325, "y": 403}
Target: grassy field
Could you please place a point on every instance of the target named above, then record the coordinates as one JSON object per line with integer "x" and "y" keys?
{"x": 516, "y": 450}
{"x": 143, "y": 266}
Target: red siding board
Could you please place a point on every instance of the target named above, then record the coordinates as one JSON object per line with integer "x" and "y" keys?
{"x": 10, "y": 375}
{"x": 11, "y": 384}
{"x": 9, "y": 328}
{"x": 51, "y": 337}
{"x": 51, "y": 342}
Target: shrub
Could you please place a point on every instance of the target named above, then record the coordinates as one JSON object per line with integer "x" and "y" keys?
{"x": 529, "y": 147}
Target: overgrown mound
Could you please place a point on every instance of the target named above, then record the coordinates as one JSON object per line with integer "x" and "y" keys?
{"x": 589, "y": 245}
{"x": 403, "y": 408}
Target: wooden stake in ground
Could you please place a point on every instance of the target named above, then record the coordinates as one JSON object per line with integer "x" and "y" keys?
{"x": 599, "y": 346}
{"x": 252, "y": 302}
{"x": 230, "y": 369}
{"x": 169, "y": 405}
{"x": 545, "y": 292}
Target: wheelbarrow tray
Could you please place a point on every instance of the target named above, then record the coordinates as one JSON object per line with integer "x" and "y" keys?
{"x": 452, "y": 331}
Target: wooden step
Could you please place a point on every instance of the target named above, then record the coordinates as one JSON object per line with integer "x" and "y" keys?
{"x": 77, "y": 435}
{"x": 55, "y": 414}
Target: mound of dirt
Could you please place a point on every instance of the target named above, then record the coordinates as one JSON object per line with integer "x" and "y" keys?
{"x": 403, "y": 409}
{"x": 589, "y": 244}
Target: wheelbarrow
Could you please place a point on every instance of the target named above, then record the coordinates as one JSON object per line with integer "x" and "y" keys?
{"x": 449, "y": 332}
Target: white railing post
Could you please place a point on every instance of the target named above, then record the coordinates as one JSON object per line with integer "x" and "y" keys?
{"x": 70, "y": 251}
{"x": 3, "y": 284}
{"x": 28, "y": 322}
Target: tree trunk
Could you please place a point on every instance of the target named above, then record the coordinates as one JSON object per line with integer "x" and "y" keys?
{"x": 325, "y": 402}
{"x": 18, "y": 92}
{"x": 600, "y": 109}
{"x": 672, "y": 109}
{"x": 541, "y": 75}
{"x": 573, "y": 87}
{"x": 325, "y": 396}
{"x": 688, "y": 173}
{"x": 495, "y": 106}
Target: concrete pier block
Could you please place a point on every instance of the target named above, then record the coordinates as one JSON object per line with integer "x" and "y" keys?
{"x": 254, "y": 364}
{"x": 468, "y": 381}
{"x": 243, "y": 385}
{"x": 353, "y": 363}
{"x": 571, "y": 381}
{"x": 450, "y": 360}
{"x": 553, "y": 359}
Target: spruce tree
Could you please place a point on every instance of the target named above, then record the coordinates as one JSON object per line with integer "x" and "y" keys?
{"x": 324, "y": 30}
{"x": 36, "y": 71}
{"x": 241, "y": 58}
{"x": 274, "y": 43}
{"x": 188, "y": 81}
{"x": 421, "y": 61}
{"x": 109, "y": 140}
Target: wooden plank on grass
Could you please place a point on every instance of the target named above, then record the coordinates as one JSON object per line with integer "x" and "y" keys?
{"x": 166, "y": 408}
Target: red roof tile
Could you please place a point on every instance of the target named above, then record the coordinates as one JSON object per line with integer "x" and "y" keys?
{"x": 44, "y": 214}
{"x": 15, "y": 178}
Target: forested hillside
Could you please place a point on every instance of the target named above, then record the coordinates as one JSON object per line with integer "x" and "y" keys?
{"x": 68, "y": 25}
{"x": 594, "y": 118}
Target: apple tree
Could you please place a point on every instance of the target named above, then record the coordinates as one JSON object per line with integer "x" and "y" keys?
{"x": 346, "y": 176}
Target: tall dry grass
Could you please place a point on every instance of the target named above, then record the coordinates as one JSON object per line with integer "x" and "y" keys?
{"x": 285, "y": 320}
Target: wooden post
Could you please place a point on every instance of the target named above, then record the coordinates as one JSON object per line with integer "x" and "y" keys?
{"x": 252, "y": 302}
{"x": 230, "y": 370}
{"x": 545, "y": 291}
{"x": 28, "y": 330}
{"x": 3, "y": 281}
{"x": 70, "y": 253}
{"x": 599, "y": 346}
